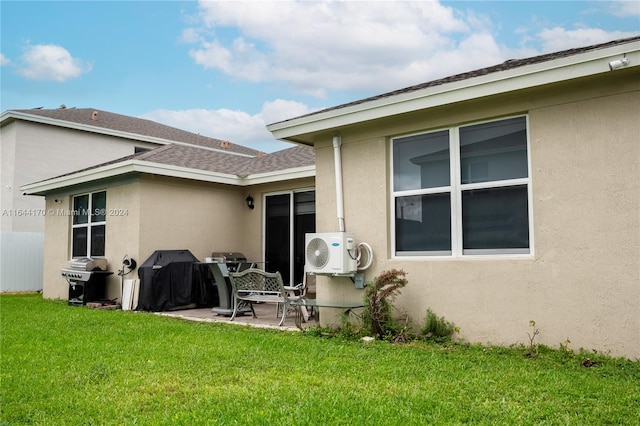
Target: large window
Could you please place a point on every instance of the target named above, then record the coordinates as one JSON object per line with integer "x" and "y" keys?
{"x": 88, "y": 225}
{"x": 463, "y": 190}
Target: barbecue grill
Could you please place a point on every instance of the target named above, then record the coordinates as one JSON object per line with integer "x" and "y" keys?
{"x": 87, "y": 280}
{"x": 220, "y": 264}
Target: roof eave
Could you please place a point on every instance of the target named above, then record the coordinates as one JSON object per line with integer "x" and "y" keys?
{"x": 137, "y": 166}
{"x": 280, "y": 175}
{"x": 123, "y": 168}
{"x": 19, "y": 115}
{"x": 585, "y": 64}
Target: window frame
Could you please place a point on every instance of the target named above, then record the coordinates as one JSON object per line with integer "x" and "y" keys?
{"x": 90, "y": 223}
{"x": 292, "y": 225}
{"x": 455, "y": 189}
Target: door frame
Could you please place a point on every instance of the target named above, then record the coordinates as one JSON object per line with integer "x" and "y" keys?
{"x": 291, "y": 193}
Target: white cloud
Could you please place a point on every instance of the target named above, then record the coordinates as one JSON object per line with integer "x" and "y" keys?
{"x": 623, "y": 8}
{"x": 280, "y": 110}
{"x": 328, "y": 46}
{"x": 557, "y": 38}
{"x": 321, "y": 46}
{"x": 236, "y": 126}
{"x": 51, "y": 62}
{"x": 4, "y": 60}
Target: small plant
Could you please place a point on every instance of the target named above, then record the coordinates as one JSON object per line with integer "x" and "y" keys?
{"x": 564, "y": 347}
{"x": 438, "y": 329}
{"x": 533, "y": 347}
{"x": 377, "y": 317}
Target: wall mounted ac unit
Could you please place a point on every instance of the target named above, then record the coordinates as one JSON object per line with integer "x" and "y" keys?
{"x": 332, "y": 253}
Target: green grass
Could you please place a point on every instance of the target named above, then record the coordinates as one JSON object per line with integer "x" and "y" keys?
{"x": 64, "y": 365}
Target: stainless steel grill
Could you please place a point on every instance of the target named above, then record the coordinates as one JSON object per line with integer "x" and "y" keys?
{"x": 220, "y": 264}
{"x": 87, "y": 280}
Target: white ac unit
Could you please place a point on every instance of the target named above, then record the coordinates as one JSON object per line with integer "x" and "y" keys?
{"x": 332, "y": 253}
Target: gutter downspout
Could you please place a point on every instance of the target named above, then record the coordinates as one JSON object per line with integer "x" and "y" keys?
{"x": 337, "y": 142}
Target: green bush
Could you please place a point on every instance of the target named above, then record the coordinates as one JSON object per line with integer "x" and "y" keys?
{"x": 377, "y": 317}
{"x": 437, "y": 329}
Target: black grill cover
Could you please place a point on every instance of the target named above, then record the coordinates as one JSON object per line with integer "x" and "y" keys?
{"x": 167, "y": 280}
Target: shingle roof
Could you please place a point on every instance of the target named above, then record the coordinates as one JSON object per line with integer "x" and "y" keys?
{"x": 196, "y": 158}
{"x": 507, "y": 65}
{"x": 137, "y": 126}
{"x": 193, "y": 151}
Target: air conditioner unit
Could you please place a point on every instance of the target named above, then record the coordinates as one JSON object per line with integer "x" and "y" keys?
{"x": 332, "y": 253}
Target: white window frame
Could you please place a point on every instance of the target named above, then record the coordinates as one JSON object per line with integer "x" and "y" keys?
{"x": 456, "y": 189}
{"x": 89, "y": 225}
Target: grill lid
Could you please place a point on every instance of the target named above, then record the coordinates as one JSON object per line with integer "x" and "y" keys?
{"x": 227, "y": 257}
{"x": 87, "y": 264}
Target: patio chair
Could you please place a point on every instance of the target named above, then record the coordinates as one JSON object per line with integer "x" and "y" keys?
{"x": 300, "y": 291}
{"x": 255, "y": 285}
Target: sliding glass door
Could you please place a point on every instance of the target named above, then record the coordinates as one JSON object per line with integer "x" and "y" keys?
{"x": 288, "y": 217}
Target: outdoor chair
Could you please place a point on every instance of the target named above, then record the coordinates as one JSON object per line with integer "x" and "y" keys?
{"x": 298, "y": 291}
{"x": 255, "y": 285}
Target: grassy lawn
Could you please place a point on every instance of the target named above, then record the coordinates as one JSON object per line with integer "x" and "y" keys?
{"x": 64, "y": 365}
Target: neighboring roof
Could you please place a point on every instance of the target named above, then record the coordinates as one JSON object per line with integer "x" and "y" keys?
{"x": 195, "y": 158}
{"x": 508, "y": 76}
{"x": 196, "y": 163}
{"x": 98, "y": 121}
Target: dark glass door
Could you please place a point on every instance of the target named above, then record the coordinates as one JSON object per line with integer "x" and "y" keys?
{"x": 288, "y": 217}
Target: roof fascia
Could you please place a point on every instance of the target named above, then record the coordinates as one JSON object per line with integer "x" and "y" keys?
{"x": 527, "y": 76}
{"x": 19, "y": 115}
{"x": 137, "y": 166}
{"x": 126, "y": 167}
{"x": 280, "y": 175}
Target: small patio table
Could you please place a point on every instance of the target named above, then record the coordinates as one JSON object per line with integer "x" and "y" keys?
{"x": 315, "y": 303}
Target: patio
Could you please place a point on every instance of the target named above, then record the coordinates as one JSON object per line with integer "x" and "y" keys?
{"x": 265, "y": 312}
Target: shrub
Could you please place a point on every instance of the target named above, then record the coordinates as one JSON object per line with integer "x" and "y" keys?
{"x": 437, "y": 329}
{"x": 378, "y": 316}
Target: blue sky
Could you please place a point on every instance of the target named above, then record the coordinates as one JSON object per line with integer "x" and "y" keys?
{"x": 226, "y": 69}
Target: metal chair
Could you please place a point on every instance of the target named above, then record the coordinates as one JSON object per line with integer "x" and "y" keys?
{"x": 255, "y": 285}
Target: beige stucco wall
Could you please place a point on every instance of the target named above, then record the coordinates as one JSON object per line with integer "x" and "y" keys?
{"x": 32, "y": 152}
{"x": 159, "y": 213}
{"x": 180, "y": 214}
{"x": 582, "y": 281}
{"x": 122, "y": 223}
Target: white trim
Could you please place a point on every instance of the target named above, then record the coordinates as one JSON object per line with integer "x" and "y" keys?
{"x": 527, "y": 76}
{"x": 291, "y": 193}
{"x": 455, "y": 191}
{"x": 279, "y": 175}
{"x": 89, "y": 225}
{"x": 139, "y": 166}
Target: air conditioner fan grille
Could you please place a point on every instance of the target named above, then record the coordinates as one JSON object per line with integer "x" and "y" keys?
{"x": 318, "y": 252}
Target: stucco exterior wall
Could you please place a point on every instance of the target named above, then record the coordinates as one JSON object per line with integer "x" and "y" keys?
{"x": 31, "y": 152}
{"x": 178, "y": 214}
{"x": 122, "y": 238}
{"x": 151, "y": 213}
{"x": 37, "y": 152}
{"x": 582, "y": 280}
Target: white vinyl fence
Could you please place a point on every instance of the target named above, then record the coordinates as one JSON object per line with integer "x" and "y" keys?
{"x": 21, "y": 261}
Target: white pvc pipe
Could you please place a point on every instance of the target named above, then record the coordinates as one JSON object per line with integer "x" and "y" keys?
{"x": 337, "y": 142}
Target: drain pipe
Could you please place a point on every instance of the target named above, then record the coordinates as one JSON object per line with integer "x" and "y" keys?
{"x": 337, "y": 142}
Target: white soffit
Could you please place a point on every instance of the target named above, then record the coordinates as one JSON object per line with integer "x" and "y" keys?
{"x": 137, "y": 166}
{"x": 280, "y": 175}
{"x": 123, "y": 168}
{"x": 526, "y": 76}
